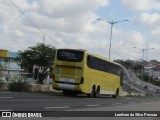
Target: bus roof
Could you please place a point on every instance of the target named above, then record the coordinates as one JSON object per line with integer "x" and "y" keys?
{"x": 93, "y": 54}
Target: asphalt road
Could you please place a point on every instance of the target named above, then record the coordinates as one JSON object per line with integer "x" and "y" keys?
{"x": 15, "y": 101}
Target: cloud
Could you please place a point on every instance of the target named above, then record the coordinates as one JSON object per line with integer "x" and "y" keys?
{"x": 142, "y": 5}
{"x": 123, "y": 43}
{"x": 66, "y": 15}
{"x": 58, "y": 17}
{"x": 23, "y": 4}
{"x": 71, "y": 23}
{"x": 69, "y": 8}
{"x": 150, "y": 20}
{"x": 156, "y": 34}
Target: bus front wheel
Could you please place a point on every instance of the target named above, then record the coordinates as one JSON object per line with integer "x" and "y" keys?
{"x": 116, "y": 94}
{"x": 98, "y": 91}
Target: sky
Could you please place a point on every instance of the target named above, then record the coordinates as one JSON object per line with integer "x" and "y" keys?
{"x": 73, "y": 24}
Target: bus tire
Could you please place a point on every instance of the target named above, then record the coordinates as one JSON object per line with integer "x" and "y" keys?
{"x": 115, "y": 96}
{"x": 92, "y": 94}
{"x": 97, "y": 94}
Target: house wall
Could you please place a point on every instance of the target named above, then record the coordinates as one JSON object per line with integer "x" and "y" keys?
{"x": 10, "y": 68}
{"x": 156, "y": 74}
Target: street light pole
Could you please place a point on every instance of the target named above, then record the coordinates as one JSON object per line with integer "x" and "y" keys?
{"x": 111, "y": 23}
{"x": 143, "y": 50}
{"x": 110, "y": 39}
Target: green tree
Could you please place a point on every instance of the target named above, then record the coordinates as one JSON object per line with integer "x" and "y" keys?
{"x": 137, "y": 67}
{"x": 127, "y": 63}
{"x": 42, "y": 56}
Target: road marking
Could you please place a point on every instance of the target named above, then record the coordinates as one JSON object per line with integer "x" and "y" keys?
{"x": 132, "y": 102}
{"x": 6, "y": 97}
{"x": 93, "y": 105}
{"x": 57, "y": 107}
{"x": 116, "y": 103}
{"x": 7, "y": 110}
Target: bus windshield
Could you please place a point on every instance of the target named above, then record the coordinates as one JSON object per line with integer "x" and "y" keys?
{"x": 70, "y": 55}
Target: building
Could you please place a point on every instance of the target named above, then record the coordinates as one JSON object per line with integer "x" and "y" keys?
{"x": 9, "y": 67}
{"x": 153, "y": 69}
{"x": 156, "y": 72}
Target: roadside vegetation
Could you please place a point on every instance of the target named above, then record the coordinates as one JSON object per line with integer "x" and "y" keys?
{"x": 19, "y": 86}
{"x": 2, "y": 85}
{"x": 38, "y": 59}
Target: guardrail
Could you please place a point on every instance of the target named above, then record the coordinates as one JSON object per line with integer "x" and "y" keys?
{"x": 132, "y": 83}
{"x": 133, "y": 94}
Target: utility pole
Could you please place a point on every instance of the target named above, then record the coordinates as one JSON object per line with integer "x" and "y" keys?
{"x": 147, "y": 52}
{"x": 143, "y": 50}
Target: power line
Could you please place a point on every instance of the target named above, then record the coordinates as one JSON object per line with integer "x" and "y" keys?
{"x": 35, "y": 25}
{"x": 48, "y": 36}
{"x": 26, "y": 17}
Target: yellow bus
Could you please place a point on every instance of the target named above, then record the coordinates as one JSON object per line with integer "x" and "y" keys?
{"x": 78, "y": 71}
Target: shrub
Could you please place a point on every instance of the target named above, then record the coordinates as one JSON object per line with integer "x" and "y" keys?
{"x": 157, "y": 83}
{"x": 20, "y": 86}
{"x": 2, "y": 85}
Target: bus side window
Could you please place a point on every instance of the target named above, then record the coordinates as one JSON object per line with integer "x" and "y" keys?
{"x": 89, "y": 62}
